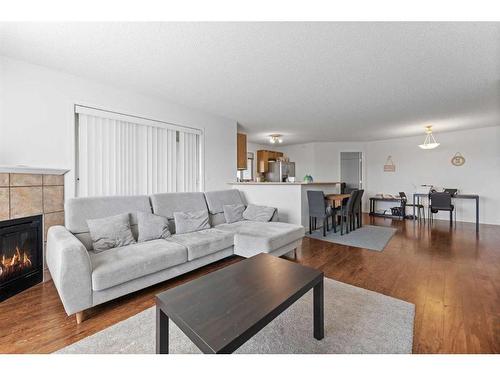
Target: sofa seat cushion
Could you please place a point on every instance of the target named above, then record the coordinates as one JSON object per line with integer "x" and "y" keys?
{"x": 121, "y": 264}
{"x": 262, "y": 237}
{"x": 203, "y": 242}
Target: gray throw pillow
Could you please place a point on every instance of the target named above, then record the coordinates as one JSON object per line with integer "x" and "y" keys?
{"x": 233, "y": 212}
{"x": 258, "y": 213}
{"x": 110, "y": 232}
{"x": 152, "y": 227}
{"x": 192, "y": 221}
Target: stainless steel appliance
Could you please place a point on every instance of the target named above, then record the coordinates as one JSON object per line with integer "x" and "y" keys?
{"x": 279, "y": 171}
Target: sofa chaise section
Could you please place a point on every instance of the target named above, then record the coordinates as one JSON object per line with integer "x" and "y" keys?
{"x": 253, "y": 237}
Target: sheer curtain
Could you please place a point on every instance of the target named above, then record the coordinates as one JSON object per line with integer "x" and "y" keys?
{"x": 126, "y": 155}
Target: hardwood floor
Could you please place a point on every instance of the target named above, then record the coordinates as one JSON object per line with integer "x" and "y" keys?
{"x": 452, "y": 277}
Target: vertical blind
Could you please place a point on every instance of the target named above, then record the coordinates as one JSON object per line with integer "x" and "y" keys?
{"x": 127, "y": 155}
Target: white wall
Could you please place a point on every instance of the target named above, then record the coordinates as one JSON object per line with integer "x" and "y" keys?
{"x": 320, "y": 159}
{"x": 303, "y": 157}
{"x": 37, "y": 122}
{"x": 480, "y": 174}
{"x": 287, "y": 198}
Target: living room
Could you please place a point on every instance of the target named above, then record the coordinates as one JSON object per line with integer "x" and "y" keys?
{"x": 269, "y": 188}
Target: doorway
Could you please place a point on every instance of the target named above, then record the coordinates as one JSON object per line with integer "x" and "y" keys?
{"x": 351, "y": 167}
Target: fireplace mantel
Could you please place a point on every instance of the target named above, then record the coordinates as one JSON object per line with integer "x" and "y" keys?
{"x": 31, "y": 170}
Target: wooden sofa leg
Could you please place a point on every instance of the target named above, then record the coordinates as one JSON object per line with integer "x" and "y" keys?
{"x": 79, "y": 317}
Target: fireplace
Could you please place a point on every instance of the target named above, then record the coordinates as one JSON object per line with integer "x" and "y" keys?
{"x": 21, "y": 252}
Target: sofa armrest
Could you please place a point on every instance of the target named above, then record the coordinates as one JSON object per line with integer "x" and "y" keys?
{"x": 70, "y": 267}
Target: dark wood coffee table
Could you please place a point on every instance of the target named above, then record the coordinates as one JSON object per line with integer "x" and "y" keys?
{"x": 220, "y": 311}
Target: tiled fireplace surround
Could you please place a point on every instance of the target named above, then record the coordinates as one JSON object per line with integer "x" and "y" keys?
{"x": 28, "y": 194}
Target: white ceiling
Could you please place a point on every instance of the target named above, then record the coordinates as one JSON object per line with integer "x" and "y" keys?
{"x": 308, "y": 81}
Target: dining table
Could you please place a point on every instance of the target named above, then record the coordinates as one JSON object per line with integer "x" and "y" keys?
{"x": 336, "y": 200}
{"x": 475, "y": 197}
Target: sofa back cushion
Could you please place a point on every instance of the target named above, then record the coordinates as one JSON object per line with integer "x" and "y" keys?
{"x": 79, "y": 210}
{"x": 217, "y": 199}
{"x": 165, "y": 204}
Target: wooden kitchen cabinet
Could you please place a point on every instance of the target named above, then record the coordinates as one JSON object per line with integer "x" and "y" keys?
{"x": 275, "y": 155}
{"x": 241, "y": 151}
{"x": 263, "y": 157}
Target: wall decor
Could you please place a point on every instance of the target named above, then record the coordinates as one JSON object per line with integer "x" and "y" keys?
{"x": 458, "y": 160}
{"x": 389, "y": 165}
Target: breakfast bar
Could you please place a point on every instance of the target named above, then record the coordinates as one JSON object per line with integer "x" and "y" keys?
{"x": 290, "y": 198}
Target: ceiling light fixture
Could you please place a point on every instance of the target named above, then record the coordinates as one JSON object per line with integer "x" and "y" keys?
{"x": 430, "y": 141}
{"x": 275, "y": 138}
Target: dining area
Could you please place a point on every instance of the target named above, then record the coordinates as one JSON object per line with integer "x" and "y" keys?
{"x": 338, "y": 212}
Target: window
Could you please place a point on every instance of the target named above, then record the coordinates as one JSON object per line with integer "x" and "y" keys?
{"x": 118, "y": 154}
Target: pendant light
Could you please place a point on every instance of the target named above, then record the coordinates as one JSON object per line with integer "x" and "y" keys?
{"x": 430, "y": 141}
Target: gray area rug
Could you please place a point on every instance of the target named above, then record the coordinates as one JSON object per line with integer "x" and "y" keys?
{"x": 367, "y": 237}
{"x": 356, "y": 321}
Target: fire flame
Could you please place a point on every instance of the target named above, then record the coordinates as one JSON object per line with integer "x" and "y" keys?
{"x": 18, "y": 263}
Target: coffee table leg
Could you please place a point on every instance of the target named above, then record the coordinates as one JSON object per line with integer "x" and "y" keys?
{"x": 161, "y": 332}
{"x": 319, "y": 329}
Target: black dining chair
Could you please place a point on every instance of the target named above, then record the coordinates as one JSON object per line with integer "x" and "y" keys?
{"x": 357, "y": 220}
{"x": 319, "y": 209}
{"x": 441, "y": 201}
{"x": 346, "y": 212}
{"x": 418, "y": 207}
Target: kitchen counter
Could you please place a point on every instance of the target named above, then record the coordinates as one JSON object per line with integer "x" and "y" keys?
{"x": 290, "y": 198}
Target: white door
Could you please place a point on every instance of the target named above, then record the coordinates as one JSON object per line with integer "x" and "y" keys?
{"x": 350, "y": 170}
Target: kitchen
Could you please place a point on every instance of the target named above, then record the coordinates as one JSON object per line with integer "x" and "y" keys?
{"x": 267, "y": 177}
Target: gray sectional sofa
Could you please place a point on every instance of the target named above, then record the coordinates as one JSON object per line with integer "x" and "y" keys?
{"x": 85, "y": 278}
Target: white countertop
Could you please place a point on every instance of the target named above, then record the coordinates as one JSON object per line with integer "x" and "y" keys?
{"x": 283, "y": 183}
